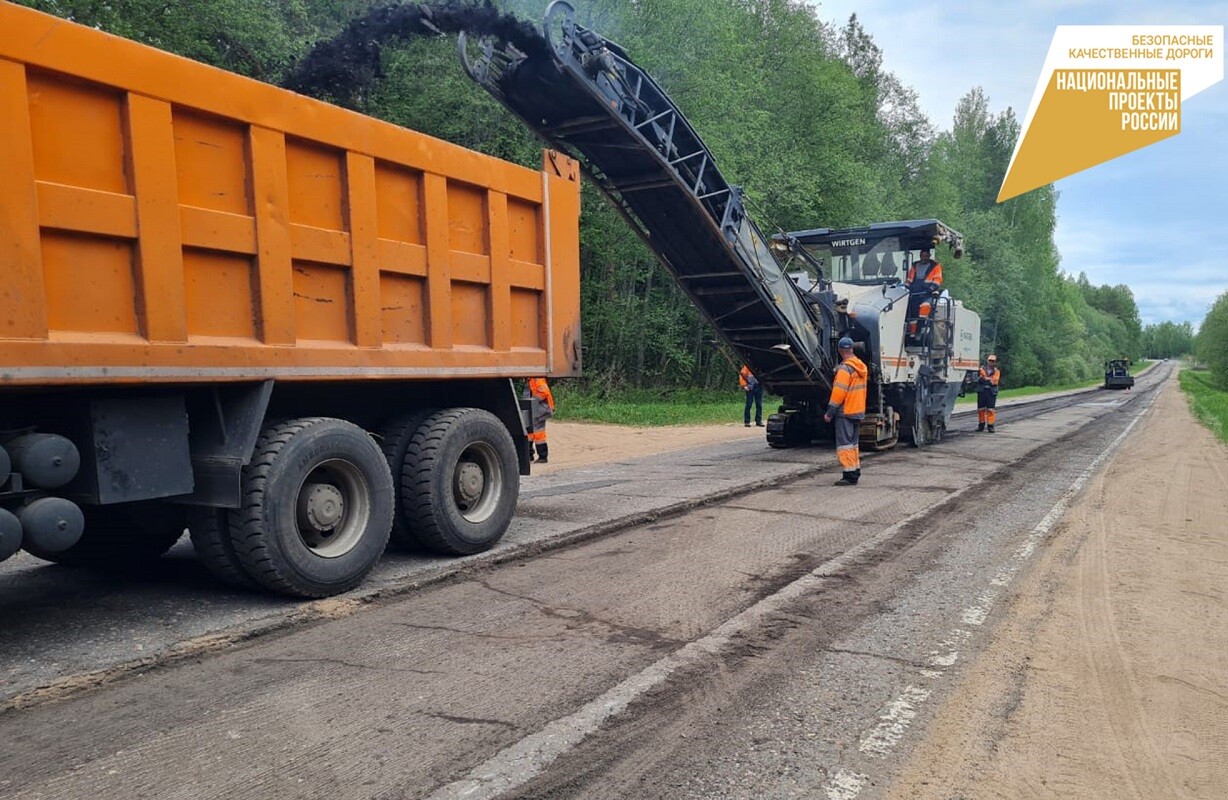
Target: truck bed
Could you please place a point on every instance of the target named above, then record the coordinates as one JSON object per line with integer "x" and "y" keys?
{"x": 165, "y": 221}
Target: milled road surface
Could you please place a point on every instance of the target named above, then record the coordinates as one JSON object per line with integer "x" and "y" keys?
{"x": 779, "y": 644}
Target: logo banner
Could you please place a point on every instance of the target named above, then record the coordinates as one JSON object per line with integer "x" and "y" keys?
{"x": 1108, "y": 90}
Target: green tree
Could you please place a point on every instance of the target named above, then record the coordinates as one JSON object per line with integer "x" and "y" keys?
{"x": 259, "y": 38}
{"x": 1211, "y": 346}
{"x": 1168, "y": 340}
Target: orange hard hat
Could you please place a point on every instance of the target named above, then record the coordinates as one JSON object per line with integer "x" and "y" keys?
{"x": 992, "y": 357}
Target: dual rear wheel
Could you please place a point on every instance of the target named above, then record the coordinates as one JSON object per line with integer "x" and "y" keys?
{"x": 321, "y": 499}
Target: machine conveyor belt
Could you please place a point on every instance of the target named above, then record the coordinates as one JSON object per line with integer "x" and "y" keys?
{"x": 589, "y": 100}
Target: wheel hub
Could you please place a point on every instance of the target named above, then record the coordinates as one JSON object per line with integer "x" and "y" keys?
{"x": 323, "y": 506}
{"x": 470, "y": 481}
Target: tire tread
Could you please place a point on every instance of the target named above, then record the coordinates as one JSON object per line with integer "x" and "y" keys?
{"x": 247, "y": 533}
{"x": 421, "y": 506}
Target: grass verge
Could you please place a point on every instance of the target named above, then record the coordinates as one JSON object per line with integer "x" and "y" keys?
{"x": 649, "y": 408}
{"x": 1209, "y": 404}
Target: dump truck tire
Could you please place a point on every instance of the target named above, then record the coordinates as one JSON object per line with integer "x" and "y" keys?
{"x": 316, "y": 510}
{"x": 395, "y": 438}
{"x": 121, "y": 536}
{"x": 460, "y": 481}
{"x": 210, "y": 532}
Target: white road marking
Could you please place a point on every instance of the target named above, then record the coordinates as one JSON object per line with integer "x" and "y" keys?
{"x": 846, "y": 785}
{"x": 944, "y": 659}
{"x": 894, "y": 722}
{"x": 979, "y": 612}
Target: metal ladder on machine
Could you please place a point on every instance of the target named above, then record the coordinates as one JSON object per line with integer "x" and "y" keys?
{"x": 589, "y": 100}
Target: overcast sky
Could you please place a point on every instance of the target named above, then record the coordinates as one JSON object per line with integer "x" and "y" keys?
{"x": 1154, "y": 219}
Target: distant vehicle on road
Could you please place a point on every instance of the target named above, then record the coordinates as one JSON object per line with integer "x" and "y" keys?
{"x": 1117, "y": 374}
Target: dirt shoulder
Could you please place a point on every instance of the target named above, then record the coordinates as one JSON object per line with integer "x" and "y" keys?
{"x": 1109, "y": 676}
{"x": 582, "y": 444}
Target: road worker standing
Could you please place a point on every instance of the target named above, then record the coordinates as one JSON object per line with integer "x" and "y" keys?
{"x": 754, "y": 395}
{"x": 848, "y": 407}
{"x": 987, "y": 394}
{"x": 543, "y": 408}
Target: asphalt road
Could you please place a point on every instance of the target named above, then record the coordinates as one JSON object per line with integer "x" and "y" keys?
{"x": 779, "y": 643}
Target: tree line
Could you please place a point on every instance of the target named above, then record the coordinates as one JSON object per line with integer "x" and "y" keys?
{"x": 1211, "y": 345}
{"x": 800, "y": 112}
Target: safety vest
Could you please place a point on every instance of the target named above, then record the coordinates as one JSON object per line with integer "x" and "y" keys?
{"x": 746, "y": 378}
{"x": 541, "y": 390}
{"x": 991, "y": 375}
{"x": 932, "y": 274}
{"x": 848, "y": 393}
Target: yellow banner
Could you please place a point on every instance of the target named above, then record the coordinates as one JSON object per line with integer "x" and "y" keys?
{"x": 1106, "y": 91}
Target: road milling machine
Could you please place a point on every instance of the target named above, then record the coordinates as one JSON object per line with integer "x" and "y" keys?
{"x": 584, "y": 95}
{"x": 1117, "y": 374}
{"x": 921, "y": 346}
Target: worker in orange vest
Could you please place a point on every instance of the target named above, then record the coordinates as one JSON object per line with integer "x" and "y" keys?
{"x": 987, "y": 394}
{"x": 848, "y": 408}
{"x": 924, "y": 275}
{"x": 539, "y": 392}
{"x": 754, "y": 395}
{"x": 924, "y": 282}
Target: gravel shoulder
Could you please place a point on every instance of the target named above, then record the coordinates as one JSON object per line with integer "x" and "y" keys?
{"x": 1109, "y": 677}
{"x": 583, "y": 444}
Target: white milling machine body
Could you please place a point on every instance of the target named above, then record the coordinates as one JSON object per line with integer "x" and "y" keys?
{"x": 919, "y": 362}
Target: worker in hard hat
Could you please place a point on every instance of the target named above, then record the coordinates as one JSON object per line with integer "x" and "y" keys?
{"x": 538, "y": 391}
{"x": 847, "y": 408}
{"x": 987, "y": 394}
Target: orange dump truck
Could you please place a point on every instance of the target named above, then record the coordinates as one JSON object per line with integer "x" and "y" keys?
{"x": 287, "y": 327}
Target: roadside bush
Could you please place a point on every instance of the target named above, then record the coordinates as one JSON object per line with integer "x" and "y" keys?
{"x": 1211, "y": 345}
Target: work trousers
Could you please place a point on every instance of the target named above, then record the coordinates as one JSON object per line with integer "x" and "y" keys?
{"x": 847, "y": 432}
{"x": 986, "y": 400}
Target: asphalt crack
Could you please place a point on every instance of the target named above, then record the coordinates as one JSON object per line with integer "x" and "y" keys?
{"x": 343, "y": 663}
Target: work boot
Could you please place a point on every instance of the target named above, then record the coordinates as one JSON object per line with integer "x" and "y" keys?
{"x": 980, "y": 427}
{"x": 759, "y": 424}
{"x": 745, "y": 424}
{"x": 543, "y": 450}
{"x": 847, "y": 479}
{"x": 991, "y": 429}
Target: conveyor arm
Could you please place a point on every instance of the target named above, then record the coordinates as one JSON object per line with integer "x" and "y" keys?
{"x": 588, "y": 99}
